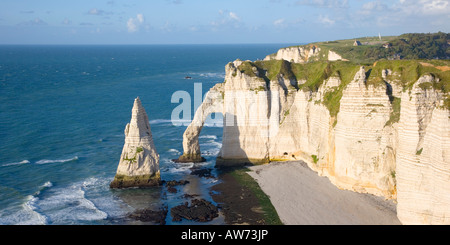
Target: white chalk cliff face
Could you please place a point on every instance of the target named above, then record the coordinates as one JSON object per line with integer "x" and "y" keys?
{"x": 423, "y": 157}
{"x": 303, "y": 54}
{"x": 299, "y": 54}
{"x": 139, "y": 162}
{"x": 363, "y": 147}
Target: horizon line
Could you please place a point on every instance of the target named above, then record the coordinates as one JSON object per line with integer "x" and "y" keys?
{"x": 137, "y": 44}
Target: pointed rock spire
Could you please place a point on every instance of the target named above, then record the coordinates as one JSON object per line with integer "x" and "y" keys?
{"x": 139, "y": 162}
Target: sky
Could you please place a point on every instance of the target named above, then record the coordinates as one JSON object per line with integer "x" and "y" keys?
{"x": 214, "y": 21}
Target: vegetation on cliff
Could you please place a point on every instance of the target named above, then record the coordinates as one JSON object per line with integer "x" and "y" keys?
{"x": 401, "y": 60}
{"x": 406, "y": 46}
{"x": 311, "y": 76}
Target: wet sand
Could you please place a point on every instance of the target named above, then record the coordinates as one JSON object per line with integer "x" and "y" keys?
{"x": 301, "y": 197}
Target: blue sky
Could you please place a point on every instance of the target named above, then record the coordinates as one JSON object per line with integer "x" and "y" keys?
{"x": 214, "y": 21}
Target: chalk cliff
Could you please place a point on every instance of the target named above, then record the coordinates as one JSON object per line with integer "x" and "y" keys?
{"x": 139, "y": 162}
{"x": 423, "y": 156}
{"x": 303, "y": 54}
{"x": 297, "y": 54}
{"x": 381, "y": 129}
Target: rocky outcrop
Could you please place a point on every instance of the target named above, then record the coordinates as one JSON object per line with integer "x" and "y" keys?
{"x": 139, "y": 162}
{"x": 298, "y": 54}
{"x": 333, "y": 56}
{"x": 200, "y": 210}
{"x": 149, "y": 215}
{"x": 365, "y": 128}
{"x": 303, "y": 54}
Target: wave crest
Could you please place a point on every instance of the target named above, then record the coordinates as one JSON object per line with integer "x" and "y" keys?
{"x": 16, "y": 163}
{"x": 57, "y": 161}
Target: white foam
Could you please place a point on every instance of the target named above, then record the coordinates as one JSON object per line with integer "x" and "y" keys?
{"x": 28, "y": 214}
{"x": 179, "y": 170}
{"x": 210, "y": 148}
{"x": 70, "y": 205}
{"x": 96, "y": 189}
{"x": 214, "y": 137}
{"x": 212, "y": 144}
{"x": 174, "y": 151}
{"x": 29, "y": 209}
{"x": 46, "y": 185}
{"x": 16, "y": 163}
{"x": 56, "y": 161}
{"x": 176, "y": 168}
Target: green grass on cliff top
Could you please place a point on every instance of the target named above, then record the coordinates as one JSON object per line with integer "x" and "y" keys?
{"x": 406, "y": 46}
{"x": 313, "y": 74}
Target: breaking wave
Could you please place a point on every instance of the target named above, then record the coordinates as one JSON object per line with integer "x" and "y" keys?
{"x": 214, "y": 137}
{"x": 29, "y": 214}
{"x": 16, "y": 163}
{"x": 57, "y": 161}
{"x": 174, "y": 151}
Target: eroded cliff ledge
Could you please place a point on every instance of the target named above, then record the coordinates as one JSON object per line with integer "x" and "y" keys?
{"x": 381, "y": 129}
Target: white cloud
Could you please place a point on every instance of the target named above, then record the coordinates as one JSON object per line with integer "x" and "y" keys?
{"x": 378, "y": 6}
{"x": 99, "y": 12}
{"x": 411, "y": 13}
{"x": 324, "y": 3}
{"x": 234, "y": 16}
{"x": 140, "y": 18}
{"x": 325, "y": 20}
{"x": 226, "y": 18}
{"x": 95, "y": 11}
{"x": 279, "y": 22}
{"x": 133, "y": 24}
{"x": 435, "y": 6}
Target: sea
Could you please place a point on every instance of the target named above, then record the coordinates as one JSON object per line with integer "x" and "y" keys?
{"x": 63, "y": 111}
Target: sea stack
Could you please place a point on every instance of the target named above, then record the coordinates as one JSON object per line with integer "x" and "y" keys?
{"x": 139, "y": 162}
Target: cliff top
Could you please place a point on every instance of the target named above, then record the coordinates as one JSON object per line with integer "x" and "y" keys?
{"x": 311, "y": 75}
{"x": 405, "y": 46}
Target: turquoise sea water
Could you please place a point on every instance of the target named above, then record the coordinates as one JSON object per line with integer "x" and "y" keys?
{"x": 63, "y": 110}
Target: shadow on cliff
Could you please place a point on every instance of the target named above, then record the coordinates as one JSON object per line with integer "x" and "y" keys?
{"x": 231, "y": 154}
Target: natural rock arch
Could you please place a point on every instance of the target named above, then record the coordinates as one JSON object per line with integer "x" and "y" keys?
{"x": 213, "y": 103}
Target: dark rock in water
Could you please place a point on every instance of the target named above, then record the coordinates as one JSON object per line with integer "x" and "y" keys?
{"x": 148, "y": 215}
{"x": 171, "y": 189}
{"x": 200, "y": 210}
{"x": 202, "y": 172}
{"x": 189, "y": 158}
{"x": 190, "y": 195}
{"x": 172, "y": 183}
